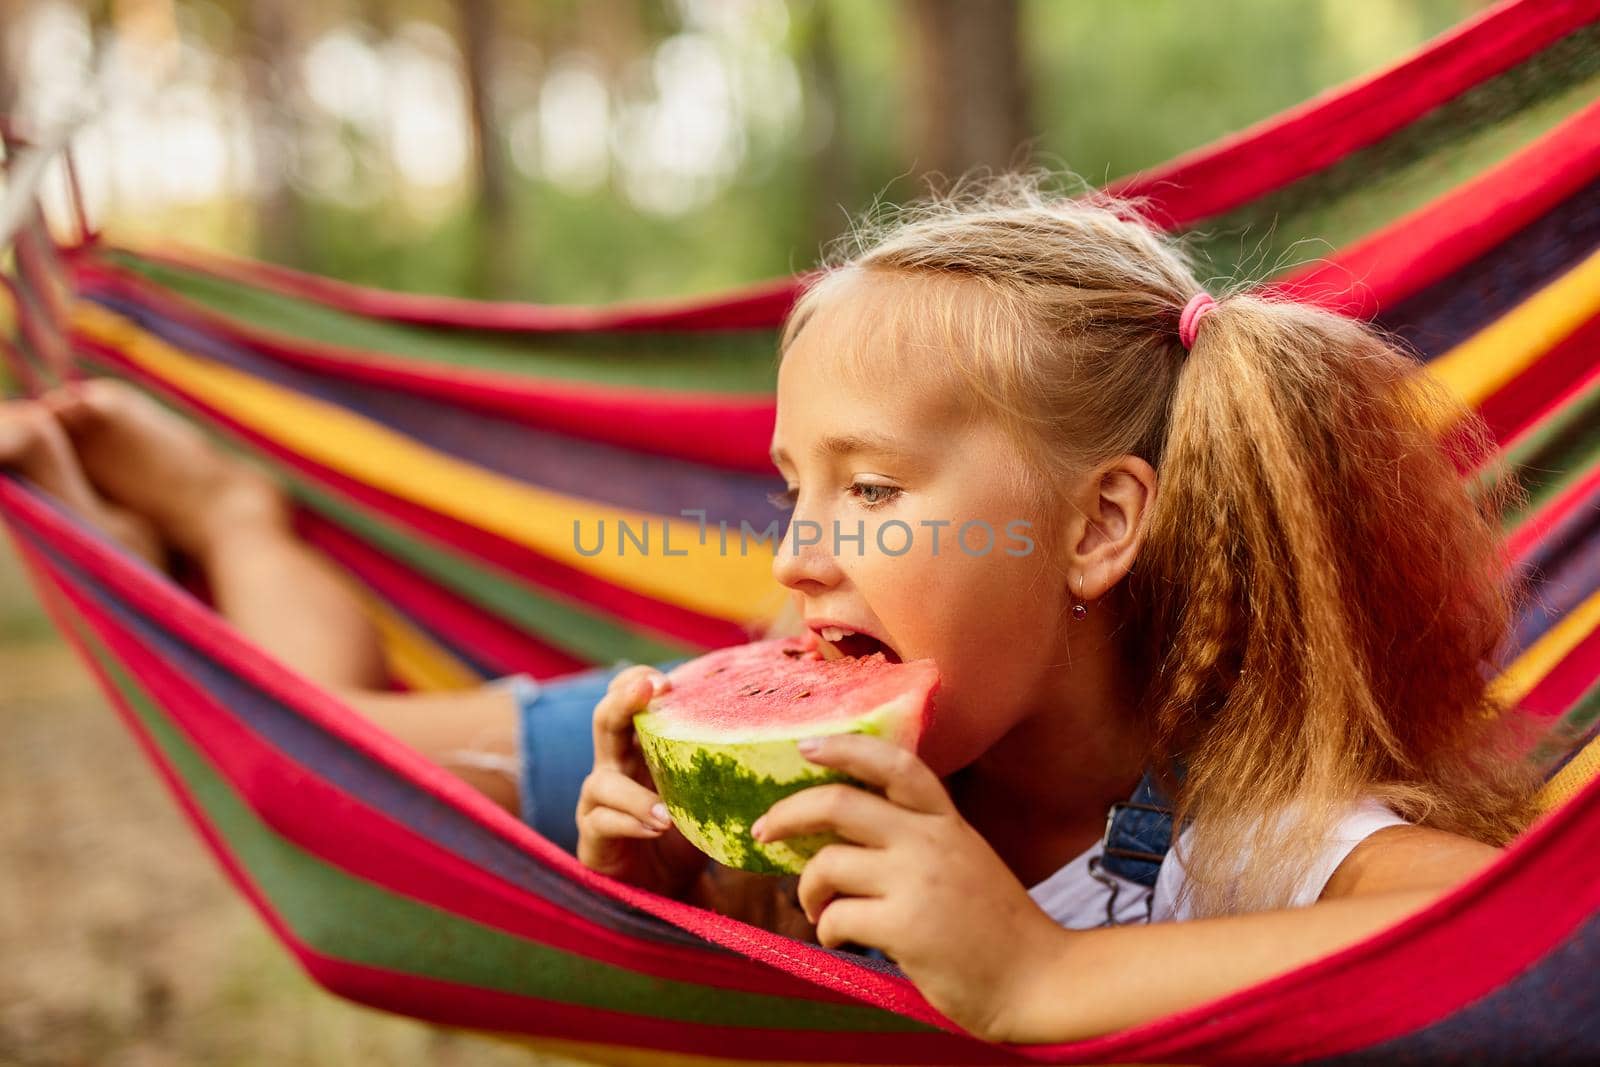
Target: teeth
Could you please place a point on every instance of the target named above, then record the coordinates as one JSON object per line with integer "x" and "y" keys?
{"x": 835, "y": 633}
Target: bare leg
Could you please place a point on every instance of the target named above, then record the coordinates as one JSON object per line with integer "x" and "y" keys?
{"x": 277, "y": 590}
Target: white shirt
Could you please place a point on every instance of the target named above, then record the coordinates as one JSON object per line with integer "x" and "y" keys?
{"x": 1079, "y": 898}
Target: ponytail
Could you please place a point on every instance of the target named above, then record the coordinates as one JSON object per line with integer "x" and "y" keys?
{"x": 1323, "y": 602}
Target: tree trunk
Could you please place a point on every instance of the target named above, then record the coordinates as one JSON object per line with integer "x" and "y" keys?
{"x": 824, "y": 134}
{"x": 271, "y": 50}
{"x": 969, "y": 86}
{"x": 492, "y": 211}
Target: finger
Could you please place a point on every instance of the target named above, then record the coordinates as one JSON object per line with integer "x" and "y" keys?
{"x": 903, "y": 777}
{"x": 860, "y": 816}
{"x": 614, "y": 790}
{"x": 839, "y": 871}
{"x": 609, "y": 822}
{"x": 627, "y": 694}
{"x": 854, "y": 919}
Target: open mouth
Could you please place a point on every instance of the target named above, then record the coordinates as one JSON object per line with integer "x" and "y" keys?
{"x": 863, "y": 645}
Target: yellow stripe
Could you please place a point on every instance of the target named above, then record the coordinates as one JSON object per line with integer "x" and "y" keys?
{"x": 730, "y": 586}
{"x": 1495, "y": 355}
{"x": 1541, "y": 657}
{"x": 1579, "y": 772}
{"x": 1533, "y": 665}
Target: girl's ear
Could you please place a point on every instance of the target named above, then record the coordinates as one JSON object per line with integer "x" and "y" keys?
{"x": 1107, "y": 528}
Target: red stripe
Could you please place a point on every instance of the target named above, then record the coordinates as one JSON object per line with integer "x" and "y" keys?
{"x": 1560, "y": 688}
{"x": 666, "y": 422}
{"x": 1555, "y": 379}
{"x": 211, "y": 636}
{"x": 493, "y": 643}
{"x": 759, "y": 306}
{"x": 454, "y": 1004}
{"x": 634, "y": 609}
{"x": 1534, "y": 528}
{"x": 1303, "y": 140}
{"x": 1433, "y": 242}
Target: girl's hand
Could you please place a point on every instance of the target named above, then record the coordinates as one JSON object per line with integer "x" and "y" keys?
{"x": 623, "y": 829}
{"x": 914, "y": 879}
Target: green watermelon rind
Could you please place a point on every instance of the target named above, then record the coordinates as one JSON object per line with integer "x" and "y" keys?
{"x": 716, "y": 790}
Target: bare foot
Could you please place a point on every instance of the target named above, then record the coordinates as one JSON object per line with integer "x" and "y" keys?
{"x": 144, "y": 457}
{"x": 33, "y": 444}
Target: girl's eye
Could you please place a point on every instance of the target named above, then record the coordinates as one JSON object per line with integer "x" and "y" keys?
{"x": 869, "y": 494}
{"x": 873, "y": 495}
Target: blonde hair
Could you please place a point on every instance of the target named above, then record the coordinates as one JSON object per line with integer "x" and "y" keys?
{"x": 1319, "y": 604}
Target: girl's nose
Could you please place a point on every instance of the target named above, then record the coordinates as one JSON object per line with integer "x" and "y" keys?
{"x": 805, "y": 558}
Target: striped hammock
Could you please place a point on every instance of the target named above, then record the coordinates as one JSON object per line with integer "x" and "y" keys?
{"x": 441, "y": 450}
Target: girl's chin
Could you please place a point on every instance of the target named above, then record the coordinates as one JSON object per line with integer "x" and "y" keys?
{"x": 945, "y": 755}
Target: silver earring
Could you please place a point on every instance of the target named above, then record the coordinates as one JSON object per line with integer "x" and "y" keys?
{"x": 1080, "y": 610}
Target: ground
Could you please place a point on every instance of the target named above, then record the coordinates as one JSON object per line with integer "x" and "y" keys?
{"x": 124, "y": 945}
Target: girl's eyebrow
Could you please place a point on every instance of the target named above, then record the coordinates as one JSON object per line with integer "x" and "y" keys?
{"x": 846, "y": 445}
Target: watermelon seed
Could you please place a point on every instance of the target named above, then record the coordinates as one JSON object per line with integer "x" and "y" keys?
{"x": 802, "y": 693}
{"x": 793, "y": 653}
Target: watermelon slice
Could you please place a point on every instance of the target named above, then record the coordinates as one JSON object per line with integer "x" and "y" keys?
{"x": 720, "y": 743}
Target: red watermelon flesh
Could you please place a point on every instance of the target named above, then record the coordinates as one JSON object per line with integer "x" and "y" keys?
{"x": 721, "y": 742}
{"x": 783, "y": 687}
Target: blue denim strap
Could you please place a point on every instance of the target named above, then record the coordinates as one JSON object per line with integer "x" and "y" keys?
{"x": 557, "y": 744}
{"x": 1138, "y": 834}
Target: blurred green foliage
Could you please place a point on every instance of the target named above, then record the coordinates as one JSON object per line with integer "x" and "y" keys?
{"x": 1115, "y": 87}
{"x": 825, "y": 120}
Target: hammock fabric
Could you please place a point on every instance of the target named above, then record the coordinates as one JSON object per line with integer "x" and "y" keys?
{"x": 442, "y": 450}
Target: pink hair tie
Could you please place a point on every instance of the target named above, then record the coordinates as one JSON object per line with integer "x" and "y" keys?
{"x": 1193, "y": 312}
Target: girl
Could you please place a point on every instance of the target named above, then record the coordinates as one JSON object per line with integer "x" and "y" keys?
{"x": 1257, "y": 584}
{"x": 1257, "y": 593}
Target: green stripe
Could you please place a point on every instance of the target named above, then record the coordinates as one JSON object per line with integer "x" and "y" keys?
{"x": 1568, "y": 731}
{"x": 1412, "y": 167}
{"x": 343, "y": 917}
{"x": 717, "y": 361}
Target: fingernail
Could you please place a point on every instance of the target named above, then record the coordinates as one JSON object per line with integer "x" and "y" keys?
{"x": 657, "y": 683}
{"x": 661, "y": 815}
{"x": 809, "y": 745}
{"x": 757, "y": 827}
